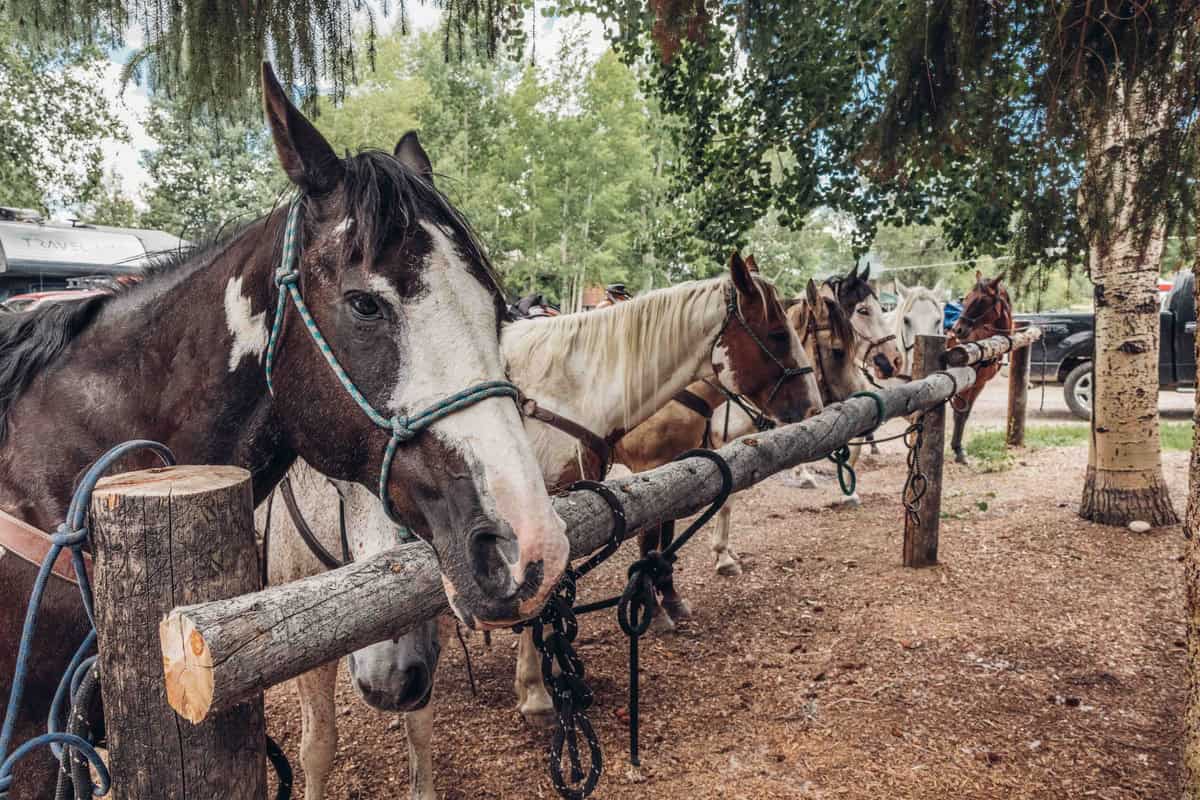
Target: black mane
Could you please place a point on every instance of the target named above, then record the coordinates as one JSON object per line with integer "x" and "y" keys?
{"x": 850, "y": 289}
{"x": 383, "y": 196}
{"x": 29, "y": 340}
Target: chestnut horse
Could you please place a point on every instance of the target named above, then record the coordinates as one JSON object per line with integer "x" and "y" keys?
{"x": 986, "y": 312}
{"x": 409, "y": 308}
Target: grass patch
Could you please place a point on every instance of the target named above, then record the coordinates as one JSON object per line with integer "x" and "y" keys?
{"x": 987, "y": 450}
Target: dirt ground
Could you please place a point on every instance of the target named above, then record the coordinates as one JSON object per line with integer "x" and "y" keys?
{"x": 1043, "y": 658}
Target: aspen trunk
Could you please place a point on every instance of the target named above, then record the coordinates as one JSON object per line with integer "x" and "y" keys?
{"x": 1191, "y": 583}
{"x": 1125, "y": 244}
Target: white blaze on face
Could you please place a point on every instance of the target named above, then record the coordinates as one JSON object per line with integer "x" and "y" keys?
{"x": 248, "y": 330}
{"x": 452, "y": 344}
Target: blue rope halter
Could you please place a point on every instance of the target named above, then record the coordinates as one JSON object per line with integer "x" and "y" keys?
{"x": 403, "y": 428}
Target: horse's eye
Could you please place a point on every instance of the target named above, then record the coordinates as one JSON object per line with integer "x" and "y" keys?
{"x": 779, "y": 337}
{"x": 863, "y": 310}
{"x": 364, "y": 306}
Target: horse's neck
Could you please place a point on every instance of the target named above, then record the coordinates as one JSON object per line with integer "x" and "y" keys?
{"x": 610, "y": 370}
{"x": 175, "y": 360}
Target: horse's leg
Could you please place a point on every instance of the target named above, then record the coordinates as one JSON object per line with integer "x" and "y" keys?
{"x": 533, "y": 701}
{"x": 650, "y": 539}
{"x": 960, "y": 423}
{"x": 318, "y": 740}
{"x": 673, "y": 603}
{"x": 418, "y": 725}
{"x": 727, "y": 564}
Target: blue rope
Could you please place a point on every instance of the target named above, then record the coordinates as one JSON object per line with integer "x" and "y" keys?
{"x": 72, "y": 533}
{"x": 403, "y": 428}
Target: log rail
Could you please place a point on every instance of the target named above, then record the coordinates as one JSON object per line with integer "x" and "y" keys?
{"x": 242, "y": 645}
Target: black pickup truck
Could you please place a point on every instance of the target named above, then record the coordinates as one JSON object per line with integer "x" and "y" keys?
{"x": 1064, "y": 353}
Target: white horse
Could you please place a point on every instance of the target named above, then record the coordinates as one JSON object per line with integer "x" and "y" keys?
{"x": 606, "y": 372}
{"x": 395, "y": 675}
{"x": 918, "y": 311}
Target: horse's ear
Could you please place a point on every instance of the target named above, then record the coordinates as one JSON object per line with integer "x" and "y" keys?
{"x": 304, "y": 154}
{"x": 900, "y": 287}
{"x": 865, "y": 275}
{"x": 742, "y": 278}
{"x": 994, "y": 284}
{"x": 750, "y": 265}
{"x": 811, "y": 292}
{"x": 412, "y": 155}
{"x": 938, "y": 288}
{"x": 978, "y": 276}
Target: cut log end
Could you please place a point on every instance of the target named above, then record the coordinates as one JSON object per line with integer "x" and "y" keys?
{"x": 187, "y": 667}
{"x": 184, "y": 480}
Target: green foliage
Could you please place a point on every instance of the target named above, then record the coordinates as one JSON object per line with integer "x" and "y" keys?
{"x": 966, "y": 113}
{"x": 560, "y": 168}
{"x": 110, "y": 205}
{"x": 206, "y": 55}
{"x": 51, "y": 124}
{"x": 206, "y": 176}
{"x": 986, "y": 448}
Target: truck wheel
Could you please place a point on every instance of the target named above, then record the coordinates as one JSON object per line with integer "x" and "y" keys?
{"x": 1078, "y": 390}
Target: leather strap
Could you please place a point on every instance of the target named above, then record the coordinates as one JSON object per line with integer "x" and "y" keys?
{"x": 694, "y": 402}
{"x": 306, "y": 533}
{"x": 30, "y": 544}
{"x": 599, "y": 447}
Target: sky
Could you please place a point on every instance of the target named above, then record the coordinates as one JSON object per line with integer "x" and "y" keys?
{"x": 131, "y": 105}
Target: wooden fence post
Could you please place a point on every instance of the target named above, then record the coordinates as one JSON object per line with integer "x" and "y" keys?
{"x": 921, "y": 538}
{"x": 1018, "y": 390}
{"x": 163, "y": 537}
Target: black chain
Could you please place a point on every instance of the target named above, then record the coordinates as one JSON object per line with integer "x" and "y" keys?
{"x": 636, "y": 605}
{"x": 916, "y": 483}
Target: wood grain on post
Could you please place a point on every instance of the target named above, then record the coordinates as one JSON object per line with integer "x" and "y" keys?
{"x": 993, "y": 347}
{"x": 256, "y": 641}
{"x": 163, "y": 537}
{"x": 921, "y": 535}
{"x": 1018, "y": 393}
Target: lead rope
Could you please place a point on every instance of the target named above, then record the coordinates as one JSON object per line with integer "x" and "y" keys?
{"x": 71, "y": 743}
{"x": 403, "y": 428}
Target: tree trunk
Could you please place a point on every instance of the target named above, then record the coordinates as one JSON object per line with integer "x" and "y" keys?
{"x": 1125, "y": 244}
{"x": 1191, "y": 583}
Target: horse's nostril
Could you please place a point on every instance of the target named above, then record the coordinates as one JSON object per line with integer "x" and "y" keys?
{"x": 491, "y": 555}
{"x": 416, "y": 685}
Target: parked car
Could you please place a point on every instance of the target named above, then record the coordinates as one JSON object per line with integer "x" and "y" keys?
{"x": 1064, "y": 353}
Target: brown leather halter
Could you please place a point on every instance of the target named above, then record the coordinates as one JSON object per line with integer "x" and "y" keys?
{"x": 601, "y": 448}
{"x": 32, "y": 545}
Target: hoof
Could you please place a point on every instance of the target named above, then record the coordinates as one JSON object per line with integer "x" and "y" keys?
{"x": 727, "y": 565}
{"x": 853, "y": 501}
{"x": 959, "y": 458}
{"x": 539, "y": 714}
{"x": 661, "y": 623}
{"x": 803, "y": 479}
{"x": 678, "y": 610}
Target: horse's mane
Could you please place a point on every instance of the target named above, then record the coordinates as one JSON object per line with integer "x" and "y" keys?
{"x": 29, "y": 340}
{"x": 660, "y": 321}
{"x": 383, "y": 196}
{"x": 378, "y": 192}
{"x": 850, "y": 290}
{"x": 839, "y": 323}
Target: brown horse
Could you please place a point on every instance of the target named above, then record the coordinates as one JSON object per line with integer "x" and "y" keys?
{"x": 987, "y": 311}
{"x": 843, "y": 334}
{"x": 407, "y": 302}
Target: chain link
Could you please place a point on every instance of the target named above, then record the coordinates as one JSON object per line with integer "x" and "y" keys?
{"x": 916, "y": 483}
